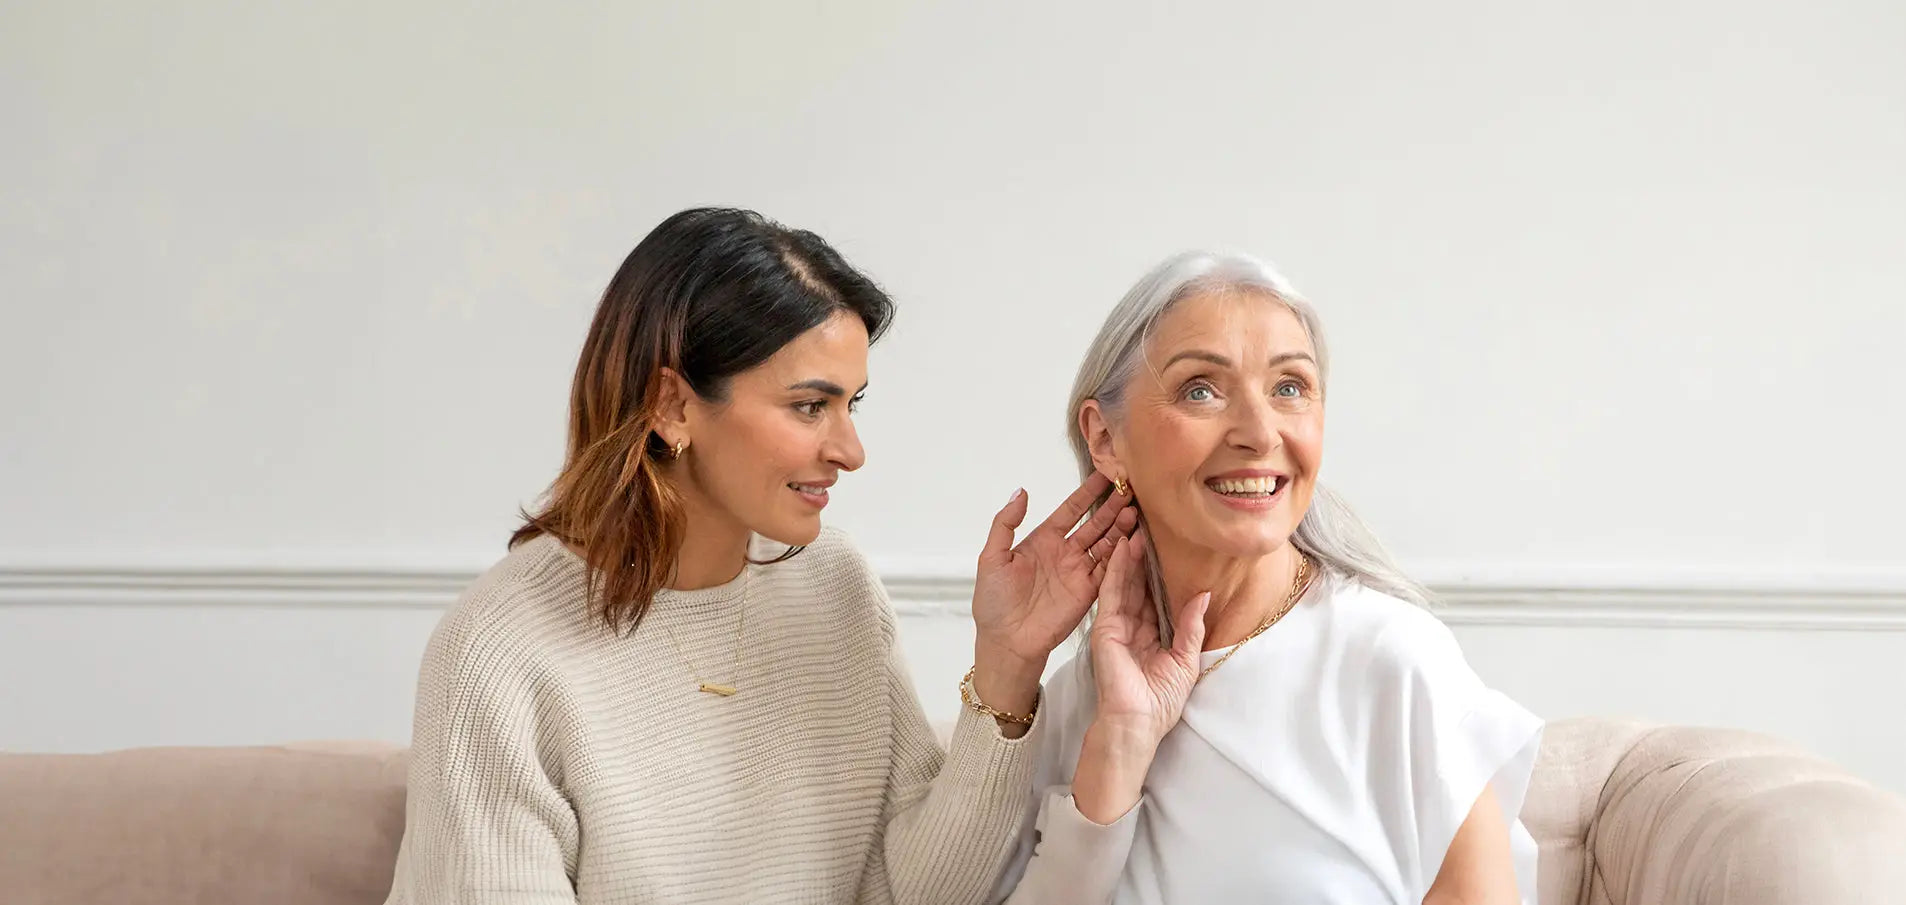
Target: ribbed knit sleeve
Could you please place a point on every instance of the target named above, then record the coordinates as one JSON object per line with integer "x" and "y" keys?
{"x": 952, "y": 816}
{"x": 485, "y": 821}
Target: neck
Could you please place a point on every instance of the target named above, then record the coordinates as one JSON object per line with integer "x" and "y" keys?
{"x": 1244, "y": 592}
{"x": 714, "y": 546}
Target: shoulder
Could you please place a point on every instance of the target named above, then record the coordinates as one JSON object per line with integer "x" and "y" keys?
{"x": 832, "y": 576}
{"x": 1395, "y": 645}
{"x": 833, "y": 559}
{"x": 515, "y": 615}
{"x": 1382, "y": 624}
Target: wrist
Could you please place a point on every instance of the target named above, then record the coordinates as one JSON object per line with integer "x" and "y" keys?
{"x": 1110, "y": 779}
{"x": 1007, "y": 683}
{"x": 1002, "y": 662}
{"x": 1121, "y": 743}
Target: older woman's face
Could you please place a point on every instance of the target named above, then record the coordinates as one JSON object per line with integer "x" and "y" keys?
{"x": 1223, "y": 435}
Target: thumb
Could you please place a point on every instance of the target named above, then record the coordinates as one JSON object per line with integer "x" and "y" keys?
{"x": 999, "y": 539}
{"x": 1189, "y": 630}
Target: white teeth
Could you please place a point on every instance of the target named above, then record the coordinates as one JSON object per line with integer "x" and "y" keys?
{"x": 809, "y": 489}
{"x": 1259, "y": 486}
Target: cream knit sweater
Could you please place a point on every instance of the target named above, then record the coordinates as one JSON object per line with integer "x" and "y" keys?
{"x": 554, "y": 761}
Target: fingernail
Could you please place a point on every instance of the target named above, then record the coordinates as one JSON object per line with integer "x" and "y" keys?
{"x": 1015, "y": 497}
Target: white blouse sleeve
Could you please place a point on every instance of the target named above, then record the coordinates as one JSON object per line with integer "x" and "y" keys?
{"x": 1440, "y": 736}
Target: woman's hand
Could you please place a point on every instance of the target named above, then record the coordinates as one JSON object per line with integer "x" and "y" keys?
{"x": 1142, "y": 687}
{"x": 1028, "y": 597}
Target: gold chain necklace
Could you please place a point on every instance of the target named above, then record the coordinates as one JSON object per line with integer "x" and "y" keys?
{"x": 1298, "y": 582}
{"x": 715, "y": 688}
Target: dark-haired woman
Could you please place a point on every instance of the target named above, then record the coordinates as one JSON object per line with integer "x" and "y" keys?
{"x": 678, "y": 686}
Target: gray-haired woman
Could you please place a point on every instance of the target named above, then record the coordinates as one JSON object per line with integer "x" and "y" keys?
{"x": 1266, "y": 712}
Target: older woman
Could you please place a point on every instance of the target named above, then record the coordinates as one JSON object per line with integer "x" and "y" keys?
{"x": 1265, "y": 711}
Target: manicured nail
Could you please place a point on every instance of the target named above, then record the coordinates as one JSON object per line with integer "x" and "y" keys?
{"x": 1015, "y": 497}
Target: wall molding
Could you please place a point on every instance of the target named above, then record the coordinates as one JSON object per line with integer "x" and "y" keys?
{"x": 1832, "y": 606}
{"x": 1539, "y": 605}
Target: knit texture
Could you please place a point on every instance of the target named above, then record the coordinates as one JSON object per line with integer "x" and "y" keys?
{"x": 557, "y": 761}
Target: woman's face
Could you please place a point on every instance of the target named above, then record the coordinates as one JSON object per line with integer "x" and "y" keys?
{"x": 764, "y": 458}
{"x": 1222, "y": 433}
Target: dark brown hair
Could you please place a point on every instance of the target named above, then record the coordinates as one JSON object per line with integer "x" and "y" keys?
{"x": 710, "y": 293}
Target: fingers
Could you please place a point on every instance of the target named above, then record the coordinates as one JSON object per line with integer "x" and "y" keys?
{"x": 1103, "y": 548}
{"x": 1147, "y": 615}
{"x": 1122, "y": 593}
{"x": 999, "y": 538}
{"x": 1112, "y": 596}
{"x": 1135, "y": 547}
{"x": 1102, "y": 521}
{"x": 1189, "y": 629}
{"x": 1076, "y": 505}
{"x": 1101, "y": 552}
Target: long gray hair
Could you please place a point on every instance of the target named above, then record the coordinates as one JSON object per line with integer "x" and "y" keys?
{"x": 1330, "y": 533}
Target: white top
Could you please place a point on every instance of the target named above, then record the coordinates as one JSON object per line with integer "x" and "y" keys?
{"x": 1330, "y": 761}
{"x": 557, "y": 762}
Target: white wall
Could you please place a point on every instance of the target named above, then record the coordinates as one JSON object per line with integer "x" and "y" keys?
{"x": 1615, "y": 292}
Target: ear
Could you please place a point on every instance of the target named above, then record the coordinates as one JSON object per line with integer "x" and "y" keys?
{"x": 1099, "y": 440}
{"x": 671, "y": 416}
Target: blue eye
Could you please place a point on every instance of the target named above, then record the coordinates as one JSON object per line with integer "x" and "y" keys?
{"x": 1294, "y": 390}
{"x": 1194, "y": 394}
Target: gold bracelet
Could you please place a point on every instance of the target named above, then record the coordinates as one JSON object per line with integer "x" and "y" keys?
{"x": 970, "y": 698}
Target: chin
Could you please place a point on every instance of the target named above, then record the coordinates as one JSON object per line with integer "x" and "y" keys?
{"x": 793, "y": 533}
{"x": 1251, "y": 545}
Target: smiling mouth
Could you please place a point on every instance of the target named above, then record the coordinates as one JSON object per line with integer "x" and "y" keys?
{"x": 1248, "y": 488}
{"x": 814, "y": 490}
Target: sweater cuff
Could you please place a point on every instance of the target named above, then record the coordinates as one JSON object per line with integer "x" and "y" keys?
{"x": 989, "y": 763}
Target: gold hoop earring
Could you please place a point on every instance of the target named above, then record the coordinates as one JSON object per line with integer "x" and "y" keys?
{"x": 681, "y": 446}
{"x": 1120, "y": 487}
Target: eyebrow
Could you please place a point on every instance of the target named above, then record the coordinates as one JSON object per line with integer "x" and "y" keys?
{"x": 1223, "y": 362}
{"x": 827, "y": 387}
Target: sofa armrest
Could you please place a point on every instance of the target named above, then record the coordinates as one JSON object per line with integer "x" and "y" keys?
{"x": 1721, "y": 817}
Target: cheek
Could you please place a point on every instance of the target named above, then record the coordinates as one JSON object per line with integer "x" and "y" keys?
{"x": 780, "y": 446}
{"x": 1174, "y": 444}
{"x": 1308, "y": 449}
{"x": 757, "y": 449}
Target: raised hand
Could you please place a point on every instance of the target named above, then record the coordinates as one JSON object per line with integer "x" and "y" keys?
{"x": 1028, "y": 597}
{"x": 1142, "y": 686}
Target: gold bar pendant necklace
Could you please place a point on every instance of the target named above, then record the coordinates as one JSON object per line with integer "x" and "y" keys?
{"x": 719, "y": 689}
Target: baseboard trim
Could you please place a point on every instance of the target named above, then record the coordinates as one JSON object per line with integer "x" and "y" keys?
{"x": 1833, "y": 607}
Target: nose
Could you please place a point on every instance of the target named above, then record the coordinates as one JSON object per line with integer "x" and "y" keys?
{"x": 843, "y": 449}
{"x": 1253, "y": 425}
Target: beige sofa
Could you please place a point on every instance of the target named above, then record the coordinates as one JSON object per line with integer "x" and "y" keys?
{"x": 1626, "y": 814}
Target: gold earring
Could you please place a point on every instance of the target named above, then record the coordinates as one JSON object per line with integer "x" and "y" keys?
{"x": 1120, "y": 487}
{"x": 681, "y": 446}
